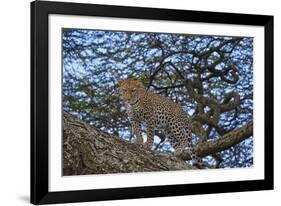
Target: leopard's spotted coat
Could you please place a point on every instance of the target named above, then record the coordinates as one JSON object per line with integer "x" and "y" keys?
{"x": 158, "y": 112}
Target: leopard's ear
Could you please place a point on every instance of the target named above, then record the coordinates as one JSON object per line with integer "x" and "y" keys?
{"x": 145, "y": 82}
{"x": 139, "y": 83}
{"x": 120, "y": 82}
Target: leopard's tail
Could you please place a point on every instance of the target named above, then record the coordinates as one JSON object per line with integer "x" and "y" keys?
{"x": 197, "y": 161}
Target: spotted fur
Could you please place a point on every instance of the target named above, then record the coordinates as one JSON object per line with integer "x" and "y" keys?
{"x": 158, "y": 112}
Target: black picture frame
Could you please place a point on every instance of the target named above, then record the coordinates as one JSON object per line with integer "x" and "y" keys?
{"x": 39, "y": 102}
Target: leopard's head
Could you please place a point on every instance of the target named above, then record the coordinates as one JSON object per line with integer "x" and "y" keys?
{"x": 131, "y": 90}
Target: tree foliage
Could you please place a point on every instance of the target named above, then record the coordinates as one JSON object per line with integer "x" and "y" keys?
{"x": 211, "y": 77}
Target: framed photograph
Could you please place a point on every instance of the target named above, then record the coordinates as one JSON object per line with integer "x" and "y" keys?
{"x": 131, "y": 102}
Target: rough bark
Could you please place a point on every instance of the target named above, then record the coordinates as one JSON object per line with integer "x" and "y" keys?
{"x": 88, "y": 150}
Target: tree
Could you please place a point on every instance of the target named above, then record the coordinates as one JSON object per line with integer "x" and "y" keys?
{"x": 210, "y": 76}
{"x": 88, "y": 150}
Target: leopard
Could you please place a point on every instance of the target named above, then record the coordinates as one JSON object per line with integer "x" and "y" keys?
{"x": 158, "y": 112}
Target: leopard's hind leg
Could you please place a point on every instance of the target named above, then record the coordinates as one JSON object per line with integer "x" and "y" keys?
{"x": 181, "y": 141}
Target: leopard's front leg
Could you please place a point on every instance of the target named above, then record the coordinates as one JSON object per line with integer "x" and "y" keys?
{"x": 150, "y": 131}
{"x": 137, "y": 130}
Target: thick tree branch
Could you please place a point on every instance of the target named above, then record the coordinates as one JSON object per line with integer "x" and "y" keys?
{"x": 225, "y": 142}
{"x": 87, "y": 150}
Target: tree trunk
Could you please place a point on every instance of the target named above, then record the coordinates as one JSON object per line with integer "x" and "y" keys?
{"x": 88, "y": 150}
